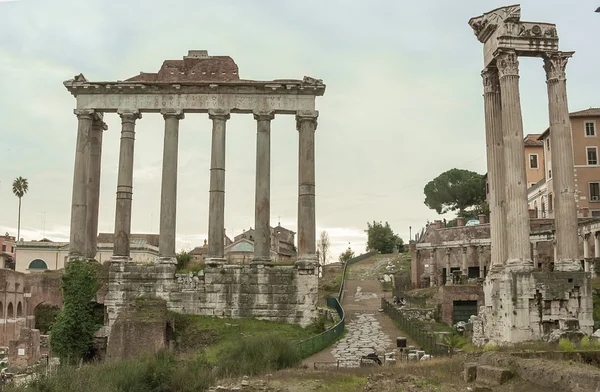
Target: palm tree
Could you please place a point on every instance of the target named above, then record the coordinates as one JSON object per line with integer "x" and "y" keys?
{"x": 20, "y": 188}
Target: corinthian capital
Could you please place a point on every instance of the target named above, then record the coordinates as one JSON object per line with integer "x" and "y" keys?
{"x": 306, "y": 115}
{"x": 219, "y": 114}
{"x": 84, "y": 113}
{"x": 491, "y": 81}
{"x": 507, "y": 62}
{"x": 555, "y": 64}
{"x": 177, "y": 113}
{"x": 264, "y": 115}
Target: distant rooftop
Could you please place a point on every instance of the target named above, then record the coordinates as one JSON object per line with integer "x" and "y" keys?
{"x": 591, "y": 112}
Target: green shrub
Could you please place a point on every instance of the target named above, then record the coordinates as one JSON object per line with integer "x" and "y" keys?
{"x": 456, "y": 340}
{"x": 76, "y": 323}
{"x": 585, "y": 343}
{"x": 257, "y": 354}
{"x": 490, "y": 347}
{"x": 317, "y": 326}
{"x": 565, "y": 345}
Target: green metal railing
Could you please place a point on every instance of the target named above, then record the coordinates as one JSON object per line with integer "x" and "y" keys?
{"x": 426, "y": 340}
{"x": 325, "y": 339}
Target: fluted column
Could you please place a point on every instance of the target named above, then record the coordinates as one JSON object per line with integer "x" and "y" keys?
{"x": 168, "y": 193}
{"x": 93, "y": 190}
{"x": 262, "y": 208}
{"x": 448, "y": 272}
{"x": 495, "y": 167}
{"x": 563, "y": 174}
{"x": 306, "y": 123}
{"x": 216, "y": 214}
{"x": 121, "y": 251}
{"x": 77, "y": 245}
{"x": 516, "y": 210}
{"x": 536, "y": 254}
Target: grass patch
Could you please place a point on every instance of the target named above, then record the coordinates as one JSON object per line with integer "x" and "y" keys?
{"x": 193, "y": 333}
{"x": 346, "y": 383}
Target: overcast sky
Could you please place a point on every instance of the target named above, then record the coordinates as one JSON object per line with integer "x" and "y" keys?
{"x": 403, "y": 104}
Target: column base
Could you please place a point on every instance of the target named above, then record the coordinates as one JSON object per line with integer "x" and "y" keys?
{"x": 567, "y": 265}
{"x": 120, "y": 259}
{"x": 215, "y": 261}
{"x": 167, "y": 260}
{"x": 519, "y": 265}
{"x": 307, "y": 262}
{"x": 261, "y": 260}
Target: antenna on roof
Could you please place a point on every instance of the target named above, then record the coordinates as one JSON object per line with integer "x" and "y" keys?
{"x": 278, "y": 220}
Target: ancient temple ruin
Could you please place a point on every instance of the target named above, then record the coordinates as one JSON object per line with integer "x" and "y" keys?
{"x": 198, "y": 84}
{"x": 521, "y": 304}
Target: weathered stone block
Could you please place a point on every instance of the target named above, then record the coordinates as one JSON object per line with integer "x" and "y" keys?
{"x": 492, "y": 375}
{"x": 470, "y": 372}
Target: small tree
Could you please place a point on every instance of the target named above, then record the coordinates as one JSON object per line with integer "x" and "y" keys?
{"x": 323, "y": 245}
{"x": 20, "y": 186}
{"x": 381, "y": 237}
{"x": 347, "y": 255}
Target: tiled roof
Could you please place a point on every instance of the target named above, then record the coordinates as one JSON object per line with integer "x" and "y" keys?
{"x": 533, "y": 143}
{"x": 591, "y": 112}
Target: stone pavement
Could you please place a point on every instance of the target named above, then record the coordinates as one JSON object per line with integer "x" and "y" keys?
{"x": 364, "y": 336}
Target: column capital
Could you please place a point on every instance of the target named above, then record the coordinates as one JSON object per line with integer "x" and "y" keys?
{"x": 507, "y": 62}
{"x": 464, "y": 249}
{"x": 306, "y": 115}
{"x": 481, "y": 249}
{"x": 491, "y": 80}
{"x": 177, "y": 113}
{"x": 586, "y": 236}
{"x": 218, "y": 114}
{"x": 84, "y": 113}
{"x": 263, "y": 115}
{"x": 129, "y": 115}
{"x": 448, "y": 251}
{"x": 99, "y": 125}
{"x": 555, "y": 64}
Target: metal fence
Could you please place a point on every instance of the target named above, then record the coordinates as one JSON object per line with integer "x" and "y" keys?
{"x": 426, "y": 340}
{"x": 325, "y": 339}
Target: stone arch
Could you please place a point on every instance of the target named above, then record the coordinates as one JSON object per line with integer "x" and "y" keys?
{"x": 44, "y": 314}
{"x": 10, "y": 313}
{"x": 38, "y": 264}
{"x": 19, "y": 309}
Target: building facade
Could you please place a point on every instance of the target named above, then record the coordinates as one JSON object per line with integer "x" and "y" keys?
{"x": 7, "y": 251}
{"x": 586, "y": 144}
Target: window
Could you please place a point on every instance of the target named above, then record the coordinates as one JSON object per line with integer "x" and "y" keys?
{"x": 590, "y": 128}
{"x": 549, "y": 173}
{"x": 550, "y": 203}
{"x": 594, "y": 191}
{"x": 548, "y": 144}
{"x": 596, "y": 214}
{"x": 533, "y": 161}
{"x": 3, "y": 248}
{"x": 38, "y": 264}
{"x": 592, "y": 155}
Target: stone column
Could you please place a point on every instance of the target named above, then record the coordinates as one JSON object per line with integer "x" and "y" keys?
{"x": 495, "y": 167}
{"x": 448, "y": 273}
{"x": 168, "y": 193}
{"x": 216, "y": 214}
{"x": 77, "y": 244}
{"x": 586, "y": 251}
{"x": 464, "y": 267}
{"x": 121, "y": 251}
{"x": 596, "y": 252}
{"x": 563, "y": 174}
{"x": 306, "y": 123}
{"x": 516, "y": 210}
{"x": 481, "y": 263}
{"x": 536, "y": 255}
{"x": 93, "y": 190}
{"x": 262, "y": 209}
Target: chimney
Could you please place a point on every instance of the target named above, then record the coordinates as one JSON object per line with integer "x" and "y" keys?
{"x": 460, "y": 221}
{"x": 482, "y": 219}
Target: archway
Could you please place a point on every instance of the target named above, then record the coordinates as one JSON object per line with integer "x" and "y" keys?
{"x": 19, "y": 310}
{"x": 45, "y": 314}
{"x": 10, "y": 311}
{"x": 38, "y": 264}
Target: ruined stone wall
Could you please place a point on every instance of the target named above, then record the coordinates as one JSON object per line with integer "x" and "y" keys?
{"x": 525, "y": 306}
{"x": 278, "y": 293}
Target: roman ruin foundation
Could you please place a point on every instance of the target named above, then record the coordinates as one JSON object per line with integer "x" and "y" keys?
{"x": 206, "y": 85}
{"x": 521, "y": 304}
